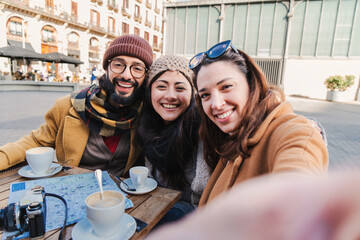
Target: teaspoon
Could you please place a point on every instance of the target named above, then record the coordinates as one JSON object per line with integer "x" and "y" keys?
{"x": 98, "y": 175}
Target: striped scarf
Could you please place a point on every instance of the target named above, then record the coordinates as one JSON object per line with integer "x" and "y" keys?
{"x": 100, "y": 116}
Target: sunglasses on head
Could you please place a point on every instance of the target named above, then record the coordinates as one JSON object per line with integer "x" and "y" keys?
{"x": 215, "y": 51}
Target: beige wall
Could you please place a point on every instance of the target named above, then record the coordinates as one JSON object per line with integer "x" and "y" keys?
{"x": 35, "y": 25}
{"x": 306, "y": 77}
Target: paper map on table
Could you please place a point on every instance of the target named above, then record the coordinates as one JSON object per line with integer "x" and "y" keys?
{"x": 73, "y": 188}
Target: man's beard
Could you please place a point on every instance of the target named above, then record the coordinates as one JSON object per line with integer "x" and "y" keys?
{"x": 117, "y": 98}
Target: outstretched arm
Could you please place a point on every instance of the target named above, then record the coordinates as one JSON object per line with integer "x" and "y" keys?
{"x": 281, "y": 207}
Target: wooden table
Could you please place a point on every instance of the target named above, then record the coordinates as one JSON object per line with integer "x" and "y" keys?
{"x": 149, "y": 207}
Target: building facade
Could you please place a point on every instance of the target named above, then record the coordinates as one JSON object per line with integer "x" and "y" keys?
{"x": 298, "y": 44}
{"x": 82, "y": 29}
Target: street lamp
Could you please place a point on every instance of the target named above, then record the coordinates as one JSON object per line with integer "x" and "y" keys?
{"x": 23, "y": 32}
{"x": 23, "y": 42}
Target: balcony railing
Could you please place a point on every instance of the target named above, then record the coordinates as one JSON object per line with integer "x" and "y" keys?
{"x": 94, "y": 56}
{"x": 125, "y": 13}
{"x": 157, "y": 10}
{"x": 73, "y": 45}
{"x": 111, "y": 31}
{"x": 94, "y": 50}
{"x": 94, "y": 60}
{"x": 97, "y": 27}
{"x": 23, "y": 2}
{"x": 58, "y": 16}
{"x": 15, "y": 33}
{"x": 74, "y": 18}
{"x": 114, "y": 8}
{"x": 15, "y": 37}
{"x": 148, "y": 23}
{"x": 139, "y": 1}
{"x": 50, "y": 43}
{"x": 148, "y": 4}
{"x": 49, "y": 8}
{"x": 157, "y": 47}
{"x": 48, "y": 40}
{"x": 138, "y": 18}
{"x": 112, "y": 5}
{"x": 100, "y": 2}
{"x": 156, "y": 27}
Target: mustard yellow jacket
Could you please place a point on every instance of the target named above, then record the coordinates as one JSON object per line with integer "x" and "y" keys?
{"x": 285, "y": 142}
{"x": 63, "y": 130}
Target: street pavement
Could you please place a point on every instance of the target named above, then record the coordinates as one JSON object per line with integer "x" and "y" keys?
{"x": 342, "y": 125}
{"x": 20, "y": 112}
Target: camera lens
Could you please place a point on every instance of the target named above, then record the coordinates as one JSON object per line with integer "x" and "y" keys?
{"x": 1, "y": 219}
{"x": 8, "y": 217}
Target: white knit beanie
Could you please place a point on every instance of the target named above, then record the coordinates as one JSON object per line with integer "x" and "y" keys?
{"x": 170, "y": 63}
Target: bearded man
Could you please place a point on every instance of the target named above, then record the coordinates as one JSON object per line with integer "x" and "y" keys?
{"x": 94, "y": 128}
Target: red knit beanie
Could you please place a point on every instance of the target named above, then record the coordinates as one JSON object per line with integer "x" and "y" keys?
{"x": 129, "y": 45}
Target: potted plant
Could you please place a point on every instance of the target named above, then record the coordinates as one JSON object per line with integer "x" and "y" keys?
{"x": 337, "y": 85}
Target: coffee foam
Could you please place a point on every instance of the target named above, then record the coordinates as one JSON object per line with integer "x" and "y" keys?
{"x": 138, "y": 171}
{"x": 105, "y": 203}
{"x": 38, "y": 150}
{"x": 110, "y": 199}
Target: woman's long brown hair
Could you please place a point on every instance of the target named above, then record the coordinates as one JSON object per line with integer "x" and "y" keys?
{"x": 262, "y": 100}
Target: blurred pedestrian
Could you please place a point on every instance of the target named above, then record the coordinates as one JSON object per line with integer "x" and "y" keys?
{"x": 18, "y": 74}
{"x": 94, "y": 75}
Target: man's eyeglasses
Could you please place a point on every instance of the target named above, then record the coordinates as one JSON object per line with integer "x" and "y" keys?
{"x": 215, "y": 51}
{"x": 117, "y": 66}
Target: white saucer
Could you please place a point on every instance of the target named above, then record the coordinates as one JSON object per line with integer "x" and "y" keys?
{"x": 28, "y": 173}
{"x": 83, "y": 230}
{"x": 151, "y": 184}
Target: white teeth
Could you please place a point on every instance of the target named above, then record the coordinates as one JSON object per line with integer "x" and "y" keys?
{"x": 225, "y": 115}
{"x": 169, "y": 106}
{"x": 124, "y": 85}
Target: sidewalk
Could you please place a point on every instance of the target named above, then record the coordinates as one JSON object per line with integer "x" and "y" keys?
{"x": 20, "y": 112}
{"x": 342, "y": 125}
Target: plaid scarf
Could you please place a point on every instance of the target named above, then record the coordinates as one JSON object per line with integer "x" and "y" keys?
{"x": 100, "y": 116}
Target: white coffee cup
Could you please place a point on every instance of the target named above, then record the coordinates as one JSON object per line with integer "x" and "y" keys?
{"x": 138, "y": 176}
{"x": 40, "y": 159}
{"x": 105, "y": 214}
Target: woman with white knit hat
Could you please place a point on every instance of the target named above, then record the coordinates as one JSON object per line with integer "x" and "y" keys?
{"x": 168, "y": 130}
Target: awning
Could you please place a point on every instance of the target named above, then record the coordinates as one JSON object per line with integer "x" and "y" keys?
{"x": 19, "y": 52}
{"x": 60, "y": 58}
{"x": 15, "y": 43}
{"x": 15, "y": 50}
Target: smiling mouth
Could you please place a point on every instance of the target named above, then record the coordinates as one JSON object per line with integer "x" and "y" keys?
{"x": 124, "y": 88}
{"x": 225, "y": 114}
{"x": 124, "y": 85}
{"x": 169, "y": 106}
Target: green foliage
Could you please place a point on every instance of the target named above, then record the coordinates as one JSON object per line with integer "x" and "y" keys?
{"x": 338, "y": 82}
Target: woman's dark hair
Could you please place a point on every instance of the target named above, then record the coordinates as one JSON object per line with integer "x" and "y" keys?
{"x": 169, "y": 147}
{"x": 262, "y": 100}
